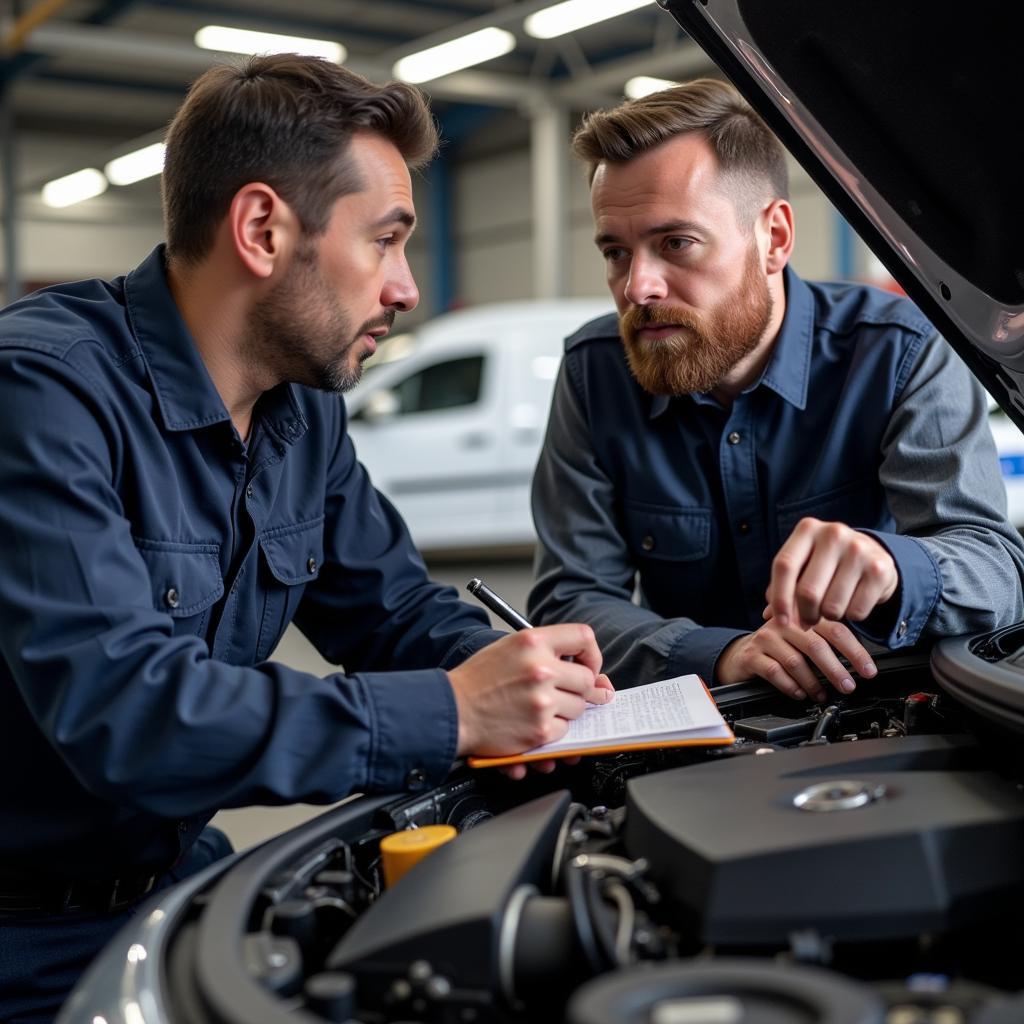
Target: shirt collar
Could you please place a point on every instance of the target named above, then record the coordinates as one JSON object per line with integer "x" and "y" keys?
{"x": 788, "y": 368}
{"x": 184, "y": 390}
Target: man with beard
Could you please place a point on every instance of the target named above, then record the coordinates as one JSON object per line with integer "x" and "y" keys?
{"x": 178, "y": 485}
{"x": 746, "y": 474}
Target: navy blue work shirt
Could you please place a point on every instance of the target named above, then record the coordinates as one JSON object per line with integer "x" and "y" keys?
{"x": 149, "y": 563}
{"x": 659, "y": 517}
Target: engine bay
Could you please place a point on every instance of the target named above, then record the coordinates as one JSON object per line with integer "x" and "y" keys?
{"x": 858, "y": 861}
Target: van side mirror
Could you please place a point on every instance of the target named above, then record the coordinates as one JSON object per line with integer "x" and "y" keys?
{"x": 380, "y": 406}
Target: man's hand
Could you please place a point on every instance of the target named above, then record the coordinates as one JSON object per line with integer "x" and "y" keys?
{"x": 829, "y": 571}
{"x": 518, "y": 693}
{"x": 781, "y": 654}
{"x": 518, "y": 771}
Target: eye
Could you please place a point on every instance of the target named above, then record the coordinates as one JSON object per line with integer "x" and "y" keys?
{"x": 676, "y": 243}
{"x": 614, "y": 254}
{"x": 386, "y": 241}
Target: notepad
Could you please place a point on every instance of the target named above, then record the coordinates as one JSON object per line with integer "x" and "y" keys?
{"x": 678, "y": 712}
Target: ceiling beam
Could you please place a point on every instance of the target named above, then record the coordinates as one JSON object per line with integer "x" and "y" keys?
{"x": 685, "y": 60}
{"x": 105, "y": 46}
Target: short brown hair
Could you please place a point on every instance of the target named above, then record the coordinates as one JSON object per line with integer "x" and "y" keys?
{"x": 743, "y": 144}
{"x": 285, "y": 120}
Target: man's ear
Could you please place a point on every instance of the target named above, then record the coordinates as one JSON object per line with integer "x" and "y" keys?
{"x": 776, "y": 228}
{"x": 262, "y": 227}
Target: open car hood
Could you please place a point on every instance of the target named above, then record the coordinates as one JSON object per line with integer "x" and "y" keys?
{"x": 902, "y": 114}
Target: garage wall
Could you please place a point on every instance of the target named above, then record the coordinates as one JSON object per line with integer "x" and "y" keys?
{"x": 493, "y": 232}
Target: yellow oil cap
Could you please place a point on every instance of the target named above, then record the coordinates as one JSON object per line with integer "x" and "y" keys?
{"x": 402, "y": 850}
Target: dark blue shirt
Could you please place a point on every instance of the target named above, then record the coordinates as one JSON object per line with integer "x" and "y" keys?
{"x": 149, "y": 563}
{"x": 863, "y": 415}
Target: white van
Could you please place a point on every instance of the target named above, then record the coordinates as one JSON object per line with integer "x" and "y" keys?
{"x": 451, "y": 429}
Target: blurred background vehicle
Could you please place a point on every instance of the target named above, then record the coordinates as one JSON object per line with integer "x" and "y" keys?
{"x": 449, "y": 419}
{"x": 1010, "y": 445}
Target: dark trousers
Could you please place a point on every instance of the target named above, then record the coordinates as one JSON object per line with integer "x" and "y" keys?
{"x": 43, "y": 955}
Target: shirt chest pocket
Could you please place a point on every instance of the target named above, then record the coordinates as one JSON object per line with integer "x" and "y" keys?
{"x": 291, "y": 557}
{"x": 860, "y": 504}
{"x": 670, "y": 547}
{"x": 668, "y": 534}
{"x": 185, "y": 580}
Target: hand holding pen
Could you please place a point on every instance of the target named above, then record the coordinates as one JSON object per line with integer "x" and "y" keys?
{"x": 557, "y": 693}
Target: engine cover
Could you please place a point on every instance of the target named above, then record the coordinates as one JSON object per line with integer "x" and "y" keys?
{"x": 855, "y": 841}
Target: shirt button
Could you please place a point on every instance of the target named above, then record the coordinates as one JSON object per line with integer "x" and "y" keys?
{"x": 248, "y": 491}
{"x": 172, "y": 598}
{"x": 311, "y": 566}
{"x": 901, "y": 629}
{"x": 416, "y": 779}
{"x": 647, "y": 543}
{"x": 734, "y": 438}
{"x": 744, "y": 527}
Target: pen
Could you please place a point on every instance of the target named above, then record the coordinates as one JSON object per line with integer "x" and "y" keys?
{"x": 499, "y": 606}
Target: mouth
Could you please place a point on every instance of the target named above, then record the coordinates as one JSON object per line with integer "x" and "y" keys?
{"x": 658, "y": 332}
{"x": 371, "y": 338}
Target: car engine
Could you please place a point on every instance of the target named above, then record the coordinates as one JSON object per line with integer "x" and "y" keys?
{"x": 861, "y": 861}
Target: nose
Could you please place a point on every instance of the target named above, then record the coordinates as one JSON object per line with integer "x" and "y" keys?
{"x": 645, "y": 283}
{"x": 400, "y": 291}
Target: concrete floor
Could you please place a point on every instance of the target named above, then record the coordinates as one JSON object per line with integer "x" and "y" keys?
{"x": 509, "y": 577}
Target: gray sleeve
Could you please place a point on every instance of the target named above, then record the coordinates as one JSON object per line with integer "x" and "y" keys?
{"x": 584, "y": 571}
{"x": 941, "y": 475}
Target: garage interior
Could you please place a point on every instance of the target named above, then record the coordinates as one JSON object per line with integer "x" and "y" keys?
{"x": 504, "y": 213}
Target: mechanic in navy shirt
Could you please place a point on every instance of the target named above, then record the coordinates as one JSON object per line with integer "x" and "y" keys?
{"x": 766, "y": 462}
{"x": 177, "y": 485}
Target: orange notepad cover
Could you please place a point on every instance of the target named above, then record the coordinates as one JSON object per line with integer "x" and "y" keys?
{"x": 678, "y": 712}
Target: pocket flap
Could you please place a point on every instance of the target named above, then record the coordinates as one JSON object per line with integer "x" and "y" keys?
{"x": 853, "y": 503}
{"x": 674, "y": 534}
{"x": 185, "y": 578}
{"x": 294, "y": 554}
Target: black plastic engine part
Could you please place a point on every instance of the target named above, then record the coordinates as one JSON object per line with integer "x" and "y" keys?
{"x": 450, "y": 911}
{"x": 774, "y": 728}
{"x": 728, "y": 990}
{"x": 546, "y": 961}
{"x": 872, "y": 840}
{"x": 332, "y": 996}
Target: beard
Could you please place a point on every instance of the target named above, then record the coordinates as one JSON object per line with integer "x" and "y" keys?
{"x": 301, "y": 333}
{"x": 707, "y": 347}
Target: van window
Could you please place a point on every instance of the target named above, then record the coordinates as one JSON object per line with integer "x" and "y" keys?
{"x": 446, "y": 385}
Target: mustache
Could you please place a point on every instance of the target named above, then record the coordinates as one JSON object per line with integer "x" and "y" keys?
{"x": 386, "y": 319}
{"x": 636, "y": 318}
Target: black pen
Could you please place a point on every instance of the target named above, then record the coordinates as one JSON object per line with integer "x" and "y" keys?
{"x": 499, "y": 606}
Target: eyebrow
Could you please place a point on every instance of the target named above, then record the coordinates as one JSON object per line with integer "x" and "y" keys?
{"x": 658, "y": 229}
{"x": 399, "y": 215}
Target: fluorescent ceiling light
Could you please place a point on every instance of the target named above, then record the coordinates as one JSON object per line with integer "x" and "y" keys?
{"x": 74, "y": 188}
{"x": 644, "y": 85}
{"x": 574, "y": 14}
{"x": 455, "y": 55}
{"x": 132, "y": 167}
{"x": 240, "y": 40}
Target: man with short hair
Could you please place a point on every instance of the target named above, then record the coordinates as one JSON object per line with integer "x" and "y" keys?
{"x": 763, "y": 462}
{"x": 178, "y": 485}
